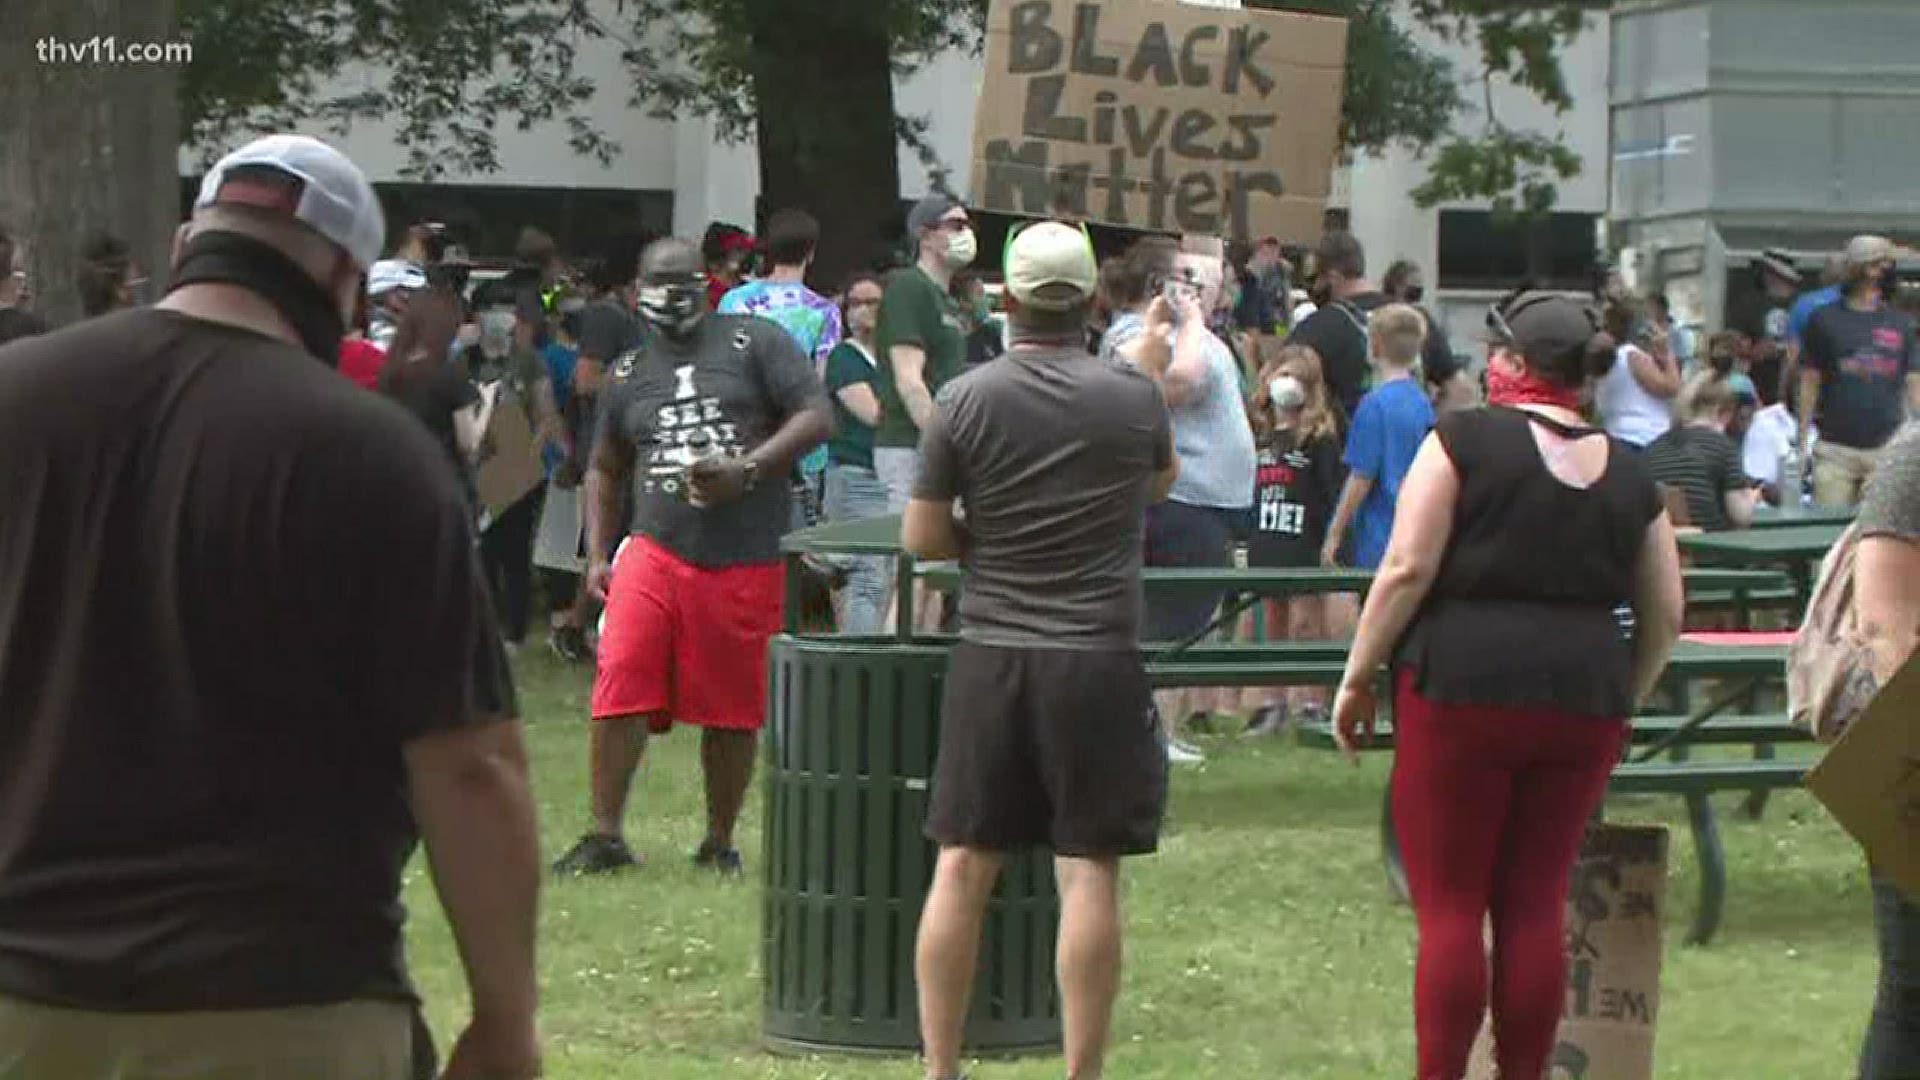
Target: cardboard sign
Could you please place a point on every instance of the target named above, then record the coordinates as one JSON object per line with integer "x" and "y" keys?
{"x": 511, "y": 467}
{"x": 1614, "y": 943}
{"x": 1870, "y": 779}
{"x": 1150, "y": 114}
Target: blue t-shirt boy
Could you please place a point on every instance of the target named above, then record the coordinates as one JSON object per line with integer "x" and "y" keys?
{"x": 1388, "y": 427}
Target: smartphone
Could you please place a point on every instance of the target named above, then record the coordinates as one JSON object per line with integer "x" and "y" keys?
{"x": 1179, "y": 288}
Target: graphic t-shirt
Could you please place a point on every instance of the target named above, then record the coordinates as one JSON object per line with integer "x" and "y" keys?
{"x": 1295, "y": 491}
{"x": 236, "y": 587}
{"x": 1388, "y": 428}
{"x": 736, "y": 380}
{"x": 852, "y": 443}
{"x": 1864, "y": 358}
{"x": 915, "y": 310}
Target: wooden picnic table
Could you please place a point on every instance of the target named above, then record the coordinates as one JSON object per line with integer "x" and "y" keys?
{"x": 1793, "y": 548}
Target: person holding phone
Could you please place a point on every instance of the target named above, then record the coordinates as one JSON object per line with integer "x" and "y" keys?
{"x": 1166, "y": 294}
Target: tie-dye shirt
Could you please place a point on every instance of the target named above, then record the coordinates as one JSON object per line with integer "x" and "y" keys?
{"x": 810, "y": 319}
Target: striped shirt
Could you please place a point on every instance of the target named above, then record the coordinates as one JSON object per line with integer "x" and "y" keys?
{"x": 1704, "y": 465}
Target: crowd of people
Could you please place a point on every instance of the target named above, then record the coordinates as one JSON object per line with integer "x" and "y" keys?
{"x": 311, "y": 578}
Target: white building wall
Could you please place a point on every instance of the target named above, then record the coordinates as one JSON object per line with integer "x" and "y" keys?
{"x": 717, "y": 181}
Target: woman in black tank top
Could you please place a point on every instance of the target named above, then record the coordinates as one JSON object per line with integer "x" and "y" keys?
{"x": 1512, "y": 550}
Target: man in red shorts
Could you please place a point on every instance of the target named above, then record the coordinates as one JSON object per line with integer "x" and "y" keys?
{"x": 705, "y": 420}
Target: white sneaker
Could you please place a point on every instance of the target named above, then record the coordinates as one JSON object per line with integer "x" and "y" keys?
{"x": 1180, "y": 753}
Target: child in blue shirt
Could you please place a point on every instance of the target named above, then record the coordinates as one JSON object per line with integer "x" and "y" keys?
{"x": 1388, "y": 427}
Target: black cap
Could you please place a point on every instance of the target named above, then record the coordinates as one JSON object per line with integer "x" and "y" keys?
{"x": 928, "y": 212}
{"x": 1544, "y": 327}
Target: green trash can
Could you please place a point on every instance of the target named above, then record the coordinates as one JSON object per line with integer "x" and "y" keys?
{"x": 852, "y": 731}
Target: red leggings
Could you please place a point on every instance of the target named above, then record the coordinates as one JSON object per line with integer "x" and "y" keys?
{"x": 1491, "y": 805}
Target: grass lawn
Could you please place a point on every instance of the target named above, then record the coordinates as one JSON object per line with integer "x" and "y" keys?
{"x": 1262, "y": 942}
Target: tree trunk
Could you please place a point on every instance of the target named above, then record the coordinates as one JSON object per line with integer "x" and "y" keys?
{"x": 87, "y": 146}
{"x": 823, "y": 86}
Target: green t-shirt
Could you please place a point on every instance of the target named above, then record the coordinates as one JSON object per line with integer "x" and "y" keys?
{"x": 914, "y": 310}
{"x": 852, "y": 442}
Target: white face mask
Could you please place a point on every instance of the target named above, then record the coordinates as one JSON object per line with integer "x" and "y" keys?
{"x": 1287, "y": 392}
{"x": 963, "y": 248}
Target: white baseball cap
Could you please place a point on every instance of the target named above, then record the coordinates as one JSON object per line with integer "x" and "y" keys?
{"x": 1050, "y": 266}
{"x": 390, "y": 274}
{"x": 333, "y": 197}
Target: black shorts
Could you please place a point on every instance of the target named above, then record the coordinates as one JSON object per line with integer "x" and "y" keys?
{"x": 1055, "y": 748}
{"x": 1179, "y": 535}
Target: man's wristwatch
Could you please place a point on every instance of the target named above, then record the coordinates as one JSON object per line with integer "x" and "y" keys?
{"x": 750, "y": 470}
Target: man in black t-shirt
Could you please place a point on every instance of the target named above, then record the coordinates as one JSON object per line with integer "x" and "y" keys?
{"x": 705, "y": 420}
{"x": 246, "y": 661}
{"x": 1338, "y": 330}
{"x": 1859, "y": 375}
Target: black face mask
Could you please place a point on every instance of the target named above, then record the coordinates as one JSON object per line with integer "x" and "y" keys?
{"x": 1416, "y": 293}
{"x": 1890, "y": 282}
{"x": 232, "y": 259}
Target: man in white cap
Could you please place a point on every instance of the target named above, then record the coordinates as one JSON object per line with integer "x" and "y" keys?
{"x": 246, "y": 662}
{"x": 391, "y": 284}
{"x": 1048, "y": 734}
{"x": 1859, "y": 374}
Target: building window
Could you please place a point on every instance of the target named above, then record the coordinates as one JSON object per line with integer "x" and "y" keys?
{"x": 1558, "y": 251}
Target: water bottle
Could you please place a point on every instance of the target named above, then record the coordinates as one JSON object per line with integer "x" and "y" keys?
{"x": 700, "y": 447}
{"x": 1793, "y": 481}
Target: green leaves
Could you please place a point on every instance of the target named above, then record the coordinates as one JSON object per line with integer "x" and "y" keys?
{"x": 1518, "y": 171}
{"x": 450, "y": 72}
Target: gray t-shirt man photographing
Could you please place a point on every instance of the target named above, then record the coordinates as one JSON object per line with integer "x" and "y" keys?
{"x": 1048, "y": 733}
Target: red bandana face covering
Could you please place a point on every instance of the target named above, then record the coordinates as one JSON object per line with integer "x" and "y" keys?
{"x": 1511, "y": 384}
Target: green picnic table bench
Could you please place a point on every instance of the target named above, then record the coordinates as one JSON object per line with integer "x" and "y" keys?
{"x": 1797, "y": 549}
{"x": 1696, "y": 781}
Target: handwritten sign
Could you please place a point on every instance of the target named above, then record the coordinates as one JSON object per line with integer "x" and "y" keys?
{"x": 1150, "y": 114}
{"x": 1870, "y": 779}
{"x": 1613, "y": 960}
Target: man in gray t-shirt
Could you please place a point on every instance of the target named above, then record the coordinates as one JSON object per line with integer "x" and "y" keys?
{"x": 1048, "y": 735}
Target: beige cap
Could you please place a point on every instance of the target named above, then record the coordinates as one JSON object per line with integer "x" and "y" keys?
{"x": 1050, "y": 266}
{"x": 1867, "y": 250}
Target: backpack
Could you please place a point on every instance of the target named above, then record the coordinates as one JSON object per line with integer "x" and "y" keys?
{"x": 1830, "y": 677}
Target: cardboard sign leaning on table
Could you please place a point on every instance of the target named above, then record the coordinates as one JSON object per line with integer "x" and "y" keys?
{"x": 1170, "y": 117}
{"x": 1870, "y": 779}
{"x": 1614, "y": 950}
{"x": 510, "y": 463}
